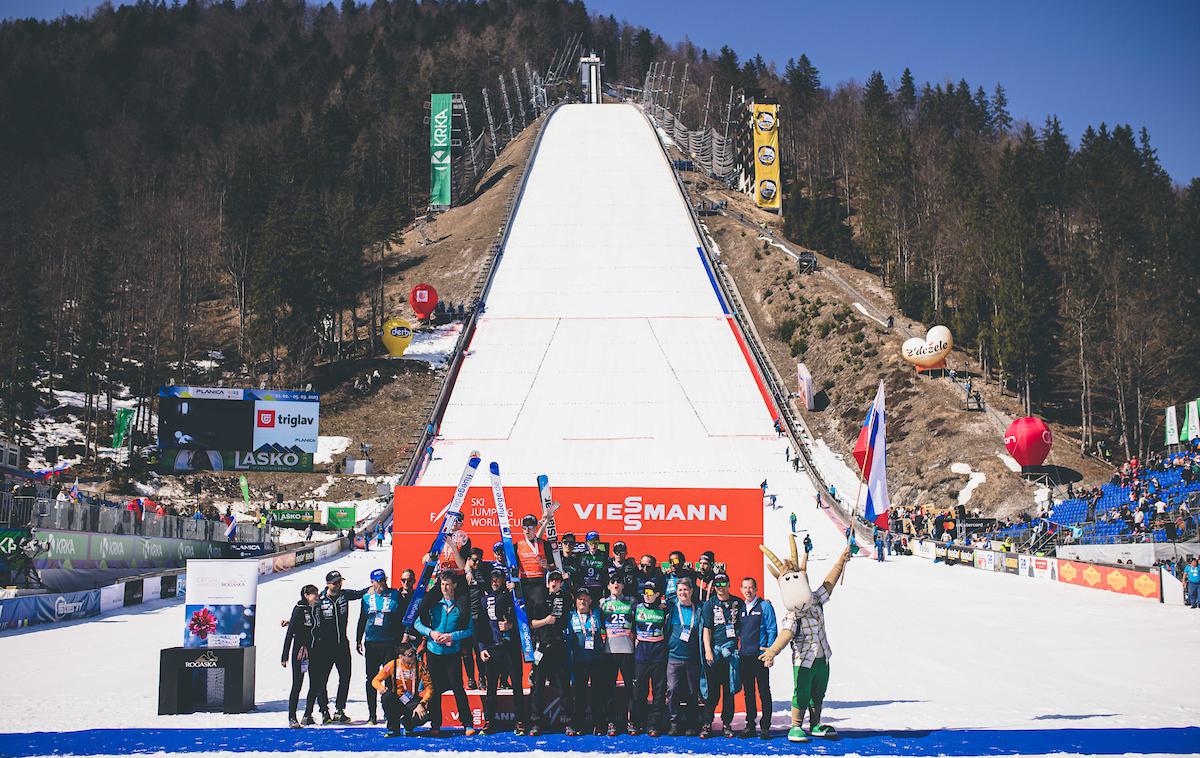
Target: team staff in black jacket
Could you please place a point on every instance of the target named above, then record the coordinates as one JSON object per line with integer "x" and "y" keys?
{"x": 331, "y": 646}
{"x": 496, "y": 638}
{"x": 298, "y": 642}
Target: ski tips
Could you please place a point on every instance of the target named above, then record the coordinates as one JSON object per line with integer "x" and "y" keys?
{"x": 494, "y": 468}
{"x": 543, "y": 480}
{"x": 475, "y": 459}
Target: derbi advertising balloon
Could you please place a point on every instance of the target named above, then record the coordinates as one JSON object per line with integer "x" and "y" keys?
{"x": 423, "y": 300}
{"x": 397, "y": 334}
{"x": 1028, "y": 441}
{"x": 930, "y": 352}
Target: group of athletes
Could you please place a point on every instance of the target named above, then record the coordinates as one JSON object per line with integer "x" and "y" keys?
{"x": 680, "y": 637}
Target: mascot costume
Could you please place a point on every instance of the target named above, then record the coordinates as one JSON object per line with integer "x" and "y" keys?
{"x": 804, "y": 628}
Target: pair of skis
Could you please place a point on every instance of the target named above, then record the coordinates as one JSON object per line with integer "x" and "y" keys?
{"x": 454, "y": 513}
{"x": 510, "y": 556}
{"x": 548, "y": 509}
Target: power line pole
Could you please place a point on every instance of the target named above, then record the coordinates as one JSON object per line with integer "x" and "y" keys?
{"x": 728, "y": 111}
{"x": 670, "y": 87}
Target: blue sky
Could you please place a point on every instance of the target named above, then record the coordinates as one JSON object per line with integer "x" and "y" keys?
{"x": 1087, "y": 62}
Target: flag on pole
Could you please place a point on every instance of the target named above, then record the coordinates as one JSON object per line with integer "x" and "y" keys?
{"x": 121, "y": 426}
{"x": 74, "y": 493}
{"x": 1172, "y": 427}
{"x": 878, "y": 502}
{"x": 862, "y": 446}
{"x": 230, "y": 529}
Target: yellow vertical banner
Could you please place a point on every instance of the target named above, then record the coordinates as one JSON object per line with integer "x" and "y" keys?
{"x": 766, "y": 156}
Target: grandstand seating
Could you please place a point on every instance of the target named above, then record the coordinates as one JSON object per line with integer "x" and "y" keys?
{"x": 1074, "y": 512}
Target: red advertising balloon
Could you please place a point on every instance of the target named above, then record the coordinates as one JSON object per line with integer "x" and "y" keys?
{"x": 1028, "y": 440}
{"x": 423, "y": 300}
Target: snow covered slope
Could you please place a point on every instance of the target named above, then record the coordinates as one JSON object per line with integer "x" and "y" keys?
{"x": 604, "y": 356}
{"x": 605, "y": 359}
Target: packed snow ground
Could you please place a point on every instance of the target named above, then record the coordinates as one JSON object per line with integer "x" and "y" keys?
{"x": 604, "y": 360}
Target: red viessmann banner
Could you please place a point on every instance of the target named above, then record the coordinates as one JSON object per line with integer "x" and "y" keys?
{"x": 652, "y": 520}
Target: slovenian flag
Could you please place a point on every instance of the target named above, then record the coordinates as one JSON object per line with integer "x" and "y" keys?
{"x": 874, "y": 463}
{"x": 230, "y": 529}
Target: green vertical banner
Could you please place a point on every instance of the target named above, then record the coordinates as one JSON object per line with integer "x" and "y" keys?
{"x": 245, "y": 489}
{"x": 441, "y": 109}
{"x": 121, "y": 426}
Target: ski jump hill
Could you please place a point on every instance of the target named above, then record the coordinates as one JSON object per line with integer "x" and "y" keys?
{"x": 606, "y": 358}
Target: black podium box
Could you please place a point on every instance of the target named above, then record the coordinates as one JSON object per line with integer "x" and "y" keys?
{"x": 206, "y": 679}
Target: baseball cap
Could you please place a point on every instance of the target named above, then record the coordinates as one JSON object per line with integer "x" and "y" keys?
{"x": 593, "y": 535}
{"x": 497, "y": 571}
{"x": 378, "y": 575}
{"x": 614, "y": 575}
{"x": 556, "y": 574}
{"x": 721, "y": 580}
{"x": 649, "y": 585}
{"x": 569, "y": 537}
{"x": 529, "y": 520}
{"x": 498, "y": 547}
{"x": 333, "y": 576}
{"x": 619, "y": 547}
{"x": 583, "y": 591}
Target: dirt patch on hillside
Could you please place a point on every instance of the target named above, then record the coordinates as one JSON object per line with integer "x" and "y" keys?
{"x": 813, "y": 318}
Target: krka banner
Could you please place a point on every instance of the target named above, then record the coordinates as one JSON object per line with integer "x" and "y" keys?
{"x": 441, "y": 109}
{"x": 1191, "y": 422}
{"x": 766, "y": 156}
{"x": 220, "y": 603}
{"x": 1172, "y": 427}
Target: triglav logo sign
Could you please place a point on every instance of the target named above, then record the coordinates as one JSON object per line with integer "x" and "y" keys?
{"x": 631, "y": 512}
{"x": 207, "y": 660}
{"x": 767, "y": 189}
{"x": 765, "y": 121}
{"x": 766, "y": 155}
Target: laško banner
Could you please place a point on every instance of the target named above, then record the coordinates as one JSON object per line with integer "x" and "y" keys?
{"x": 650, "y": 520}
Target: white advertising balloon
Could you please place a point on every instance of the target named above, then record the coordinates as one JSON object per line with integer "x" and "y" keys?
{"x": 931, "y": 351}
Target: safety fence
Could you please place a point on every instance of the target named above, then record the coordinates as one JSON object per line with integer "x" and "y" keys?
{"x": 1149, "y": 583}
{"x": 47, "y": 513}
{"x": 21, "y": 610}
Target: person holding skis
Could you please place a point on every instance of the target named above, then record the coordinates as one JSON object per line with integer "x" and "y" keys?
{"x": 722, "y": 626}
{"x": 446, "y": 623}
{"x": 650, "y": 660}
{"x": 616, "y": 611}
{"x": 379, "y": 621}
{"x": 298, "y": 640}
{"x": 533, "y": 558}
{"x": 499, "y": 649}
{"x": 548, "y": 619}
{"x": 478, "y": 578}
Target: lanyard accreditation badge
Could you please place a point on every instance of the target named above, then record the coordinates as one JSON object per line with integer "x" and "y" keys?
{"x": 685, "y": 627}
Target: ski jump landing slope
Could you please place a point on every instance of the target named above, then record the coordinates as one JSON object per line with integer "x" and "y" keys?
{"x": 605, "y": 359}
{"x": 605, "y": 356}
